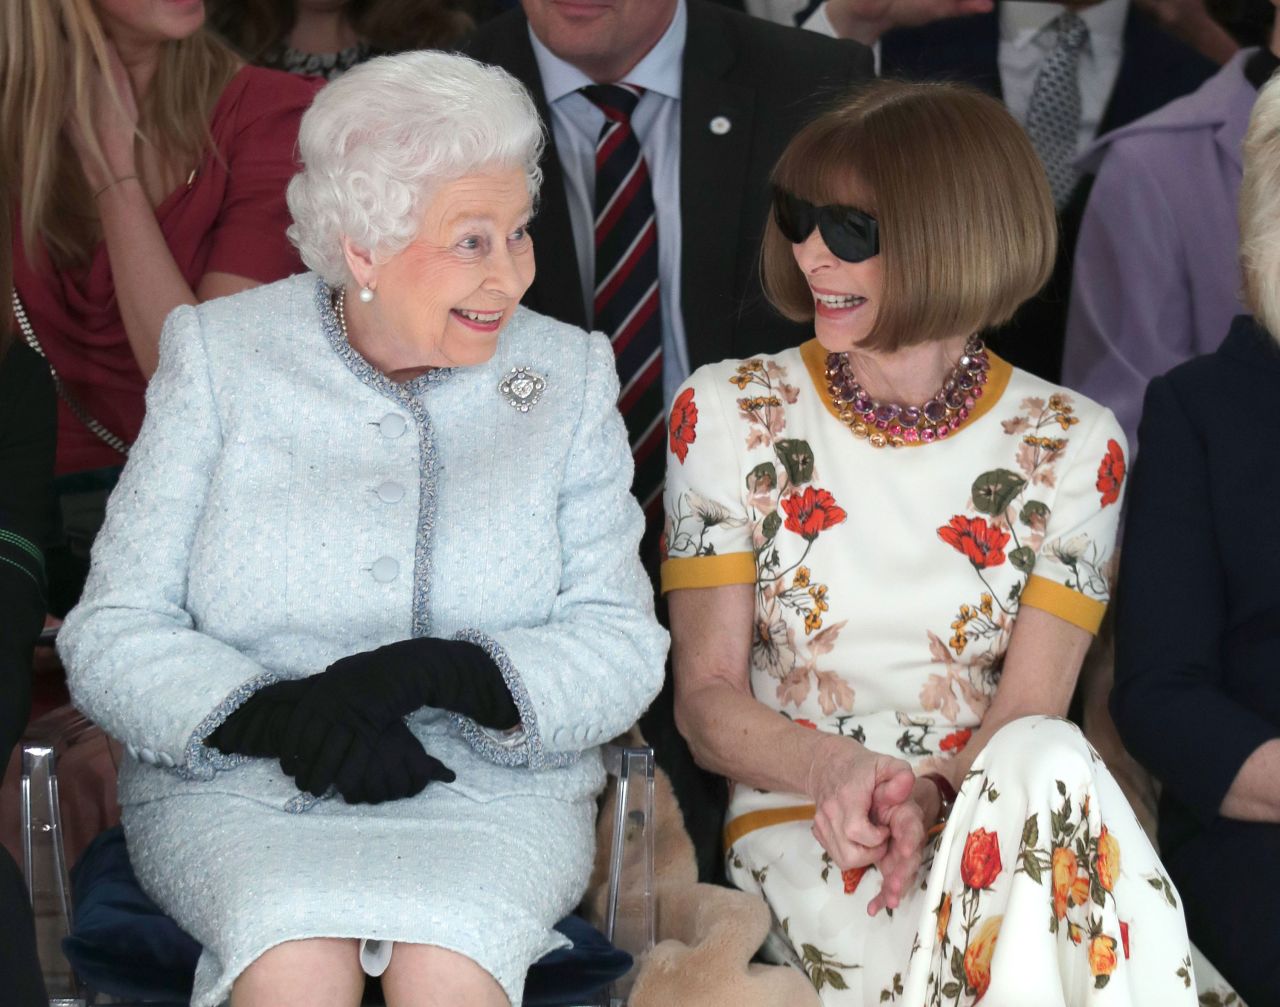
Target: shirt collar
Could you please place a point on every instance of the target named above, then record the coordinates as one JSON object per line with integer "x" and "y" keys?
{"x": 661, "y": 70}
{"x": 1021, "y": 21}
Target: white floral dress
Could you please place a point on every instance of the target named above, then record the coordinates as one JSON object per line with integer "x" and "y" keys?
{"x": 887, "y": 583}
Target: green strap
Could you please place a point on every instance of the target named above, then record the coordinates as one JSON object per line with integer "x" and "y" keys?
{"x": 27, "y": 570}
{"x": 22, "y": 543}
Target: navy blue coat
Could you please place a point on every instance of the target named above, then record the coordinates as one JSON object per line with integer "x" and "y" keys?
{"x": 1198, "y": 637}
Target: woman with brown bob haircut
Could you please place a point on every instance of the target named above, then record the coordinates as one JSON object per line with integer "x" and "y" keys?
{"x": 886, "y": 553}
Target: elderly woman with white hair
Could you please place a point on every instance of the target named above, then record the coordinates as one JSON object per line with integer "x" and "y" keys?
{"x": 367, "y": 599}
{"x": 1197, "y": 693}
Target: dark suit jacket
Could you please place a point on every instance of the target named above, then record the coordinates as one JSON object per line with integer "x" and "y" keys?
{"x": 1155, "y": 69}
{"x": 1198, "y": 607}
{"x": 767, "y": 80}
{"x": 1198, "y": 638}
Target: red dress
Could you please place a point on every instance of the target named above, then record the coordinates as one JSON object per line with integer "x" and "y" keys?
{"x": 229, "y": 218}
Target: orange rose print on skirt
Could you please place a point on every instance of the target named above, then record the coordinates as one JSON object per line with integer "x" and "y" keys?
{"x": 944, "y": 915}
{"x": 851, "y": 878}
{"x": 1108, "y": 860}
{"x": 1102, "y": 959}
{"x": 1065, "y": 867}
{"x": 980, "y": 862}
{"x": 977, "y": 958}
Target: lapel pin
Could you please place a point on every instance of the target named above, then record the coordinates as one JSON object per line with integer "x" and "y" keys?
{"x": 721, "y": 125}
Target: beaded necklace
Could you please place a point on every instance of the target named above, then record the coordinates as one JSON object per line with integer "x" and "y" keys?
{"x": 887, "y": 424}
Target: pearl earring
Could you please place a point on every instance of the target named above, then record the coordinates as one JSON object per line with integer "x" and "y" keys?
{"x": 366, "y": 294}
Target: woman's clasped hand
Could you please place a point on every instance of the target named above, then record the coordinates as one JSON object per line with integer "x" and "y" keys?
{"x": 871, "y": 810}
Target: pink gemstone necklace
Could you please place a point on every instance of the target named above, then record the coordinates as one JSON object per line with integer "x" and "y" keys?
{"x": 887, "y": 424}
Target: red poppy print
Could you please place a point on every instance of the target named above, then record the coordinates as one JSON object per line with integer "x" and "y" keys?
{"x": 1111, "y": 474}
{"x": 956, "y": 740}
{"x": 982, "y": 544}
{"x": 684, "y": 421}
{"x": 811, "y": 512}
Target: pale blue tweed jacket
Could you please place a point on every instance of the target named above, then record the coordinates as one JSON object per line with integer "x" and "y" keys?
{"x": 286, "y": 505}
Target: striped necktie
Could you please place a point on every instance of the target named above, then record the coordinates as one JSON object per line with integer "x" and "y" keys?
{"x": 1053, "y": 116}
{"x": 627, "y": 305}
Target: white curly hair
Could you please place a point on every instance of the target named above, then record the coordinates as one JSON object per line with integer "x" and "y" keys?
{"x": 1260, "y": 209}
{"x": 377, "y": 142}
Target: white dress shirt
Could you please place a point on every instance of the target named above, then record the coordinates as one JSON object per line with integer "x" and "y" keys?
{"x": 1025, "y": 42}
{"x": 576, "y": 125}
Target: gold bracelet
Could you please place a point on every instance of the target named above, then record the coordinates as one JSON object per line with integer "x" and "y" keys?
{"x": 115, "y": 181}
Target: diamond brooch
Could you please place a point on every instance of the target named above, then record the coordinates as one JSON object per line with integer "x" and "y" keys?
{"x": 522, "y": 388}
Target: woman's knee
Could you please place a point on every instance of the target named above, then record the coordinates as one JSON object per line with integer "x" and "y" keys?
{"x": 314, "y": 971}
{"x": 422, "y": 975}
{"x": 1036, "y": 747}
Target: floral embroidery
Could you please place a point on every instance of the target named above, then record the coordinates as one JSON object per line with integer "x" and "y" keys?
{"x": 977, "y": 957}
{"x": 982, "y": 544}
{"x": 764, "y": 411}
{"x": 812, "y": 512}
{"x": 955, "y": 741}
{"x": 1111, "y": 474}
{"x": 683, "y": 425}
{"x": 851, "y": 878}
{"x": 980, "y": 863}
{"x": 964, "y": 971}
{"x": 1102, "y": 959}
{"x": 1083, "y": 869}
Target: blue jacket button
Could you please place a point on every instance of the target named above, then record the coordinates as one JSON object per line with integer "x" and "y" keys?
{"x": 385, "y": 570}
{"x": 392, "y": 425}
{"x": 390, "y": 492}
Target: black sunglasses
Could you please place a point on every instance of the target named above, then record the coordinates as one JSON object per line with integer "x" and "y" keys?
{"x": 850, "y": 234}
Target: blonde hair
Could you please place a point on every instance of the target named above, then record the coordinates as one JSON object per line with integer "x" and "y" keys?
{"x": 48, "y": 50}
{"x": 967, "y": 225}
{"x": 1260, "y": 210}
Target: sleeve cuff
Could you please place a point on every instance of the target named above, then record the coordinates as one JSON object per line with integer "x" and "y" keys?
{"x": 1052, "y": 597}
{"x": 521, "y": 746}
{"x": 708, "y": 571}
{"x": 203, "y": 761}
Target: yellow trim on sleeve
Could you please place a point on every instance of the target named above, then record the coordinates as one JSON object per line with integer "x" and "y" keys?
{"x": 708, "y": 571}
{"x": 745, "y": 824}
{"x": 1052, "y": 597}
{"x": 814, "y": 356}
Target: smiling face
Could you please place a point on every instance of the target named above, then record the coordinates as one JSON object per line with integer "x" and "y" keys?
{"x": 602, "y": 38}
{"x": 141, "y": 22}
{"x": 846, "y": 295}
{"x": 442, "y": 301}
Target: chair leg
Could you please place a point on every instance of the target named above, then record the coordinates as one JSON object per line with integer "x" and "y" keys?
{"x": 630, "y": 913}
{"x": 44, "y": 869}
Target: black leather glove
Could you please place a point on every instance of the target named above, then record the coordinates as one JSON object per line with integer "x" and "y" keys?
{"x": 391, "y": 766}
{"x": 257, "y": 726}
{"x": 368, "y": 691}
{"x": 387, "y": 767}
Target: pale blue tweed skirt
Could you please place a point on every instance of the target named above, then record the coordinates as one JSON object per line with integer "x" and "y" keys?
{"x": 487, "y": 879}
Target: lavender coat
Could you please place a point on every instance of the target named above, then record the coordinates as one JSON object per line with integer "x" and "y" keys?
{"x": 1157, "y": 279}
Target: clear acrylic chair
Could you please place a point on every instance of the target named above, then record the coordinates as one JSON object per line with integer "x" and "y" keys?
{"x": 629, "y": 916}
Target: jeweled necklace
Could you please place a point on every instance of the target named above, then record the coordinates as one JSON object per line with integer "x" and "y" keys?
{"x": 887, "y": 424}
